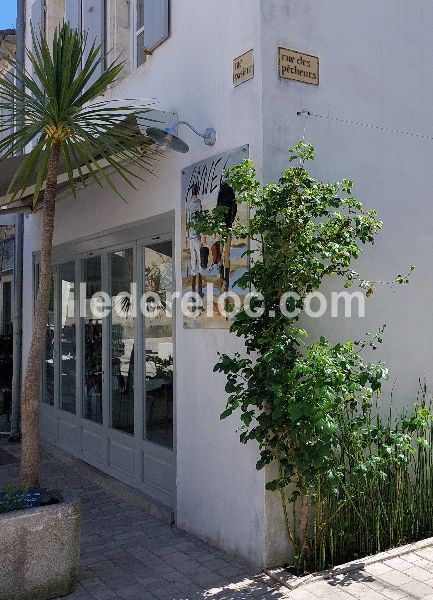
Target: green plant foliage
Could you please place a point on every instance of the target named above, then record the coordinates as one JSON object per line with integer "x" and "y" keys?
{"x": 310, "y": 406}
{"x": 385, "y": 496}
{"x": 12, "y": 499}
{"x": 58, "y": 103}
{"x": 8, "y": 499}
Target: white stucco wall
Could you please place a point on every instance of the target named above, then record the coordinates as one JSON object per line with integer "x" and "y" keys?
{"x": 372, "y": 70}
{"x": 220, "y": 495}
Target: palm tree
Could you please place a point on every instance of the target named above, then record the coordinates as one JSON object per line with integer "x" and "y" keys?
{"x": 60, "y": 114}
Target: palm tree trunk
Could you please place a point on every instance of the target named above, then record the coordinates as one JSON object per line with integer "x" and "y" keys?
{"x": 32, "y": 383}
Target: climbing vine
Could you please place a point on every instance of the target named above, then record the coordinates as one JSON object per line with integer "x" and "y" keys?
{"x": 309, "y": 406}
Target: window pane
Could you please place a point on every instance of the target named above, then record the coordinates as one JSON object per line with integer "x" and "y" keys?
{"x": 141, "y": 57}
{"x": 159, "y": 344}
{"x": 92, "y": 341}
{"x": 122, "y": 341}
{"x": 48, "y": 395}
{"x": 7, "y": 307}
{"x": 67, "y": 336}
{"x": 140, "y": 15}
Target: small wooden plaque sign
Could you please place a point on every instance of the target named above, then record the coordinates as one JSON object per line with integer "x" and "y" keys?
{"x": 243, "y": 68}
{"x": 298, "y": 66}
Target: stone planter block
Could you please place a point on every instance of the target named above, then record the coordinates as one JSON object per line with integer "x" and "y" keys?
{"x": 39, "y": 551}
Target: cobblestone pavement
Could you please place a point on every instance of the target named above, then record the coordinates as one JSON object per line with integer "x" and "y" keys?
{"x": 129, "y": 554}
{"x": 408, "y": 576}
{"x": 126, "y": 553}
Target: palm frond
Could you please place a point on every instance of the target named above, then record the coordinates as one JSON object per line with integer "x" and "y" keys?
{"x": 61, "y": 101}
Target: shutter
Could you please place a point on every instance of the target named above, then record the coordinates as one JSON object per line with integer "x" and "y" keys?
{"x": 38, "y": 16}
{"x": 38, "y": 24}
{"x": 73, "y": 13}
{"x": 156, "y": 23}
{"x": 93, "y": 23}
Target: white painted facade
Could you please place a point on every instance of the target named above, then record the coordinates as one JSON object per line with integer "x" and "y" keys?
{"x": 371, "y": 71}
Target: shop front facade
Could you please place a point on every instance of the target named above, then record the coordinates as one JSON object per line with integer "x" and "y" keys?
{"x": 132, "y": 395}
{"x": 108, "y": 384}
{"x": 137, "y": 397}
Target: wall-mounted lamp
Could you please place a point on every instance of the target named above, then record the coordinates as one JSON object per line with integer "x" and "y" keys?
{"x": 168, "y": 138}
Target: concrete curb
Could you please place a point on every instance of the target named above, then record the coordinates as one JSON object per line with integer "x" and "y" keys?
{"x": 292, "y": 582}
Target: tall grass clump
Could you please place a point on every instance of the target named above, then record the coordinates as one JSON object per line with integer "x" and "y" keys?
{"x": 384, "y": 498}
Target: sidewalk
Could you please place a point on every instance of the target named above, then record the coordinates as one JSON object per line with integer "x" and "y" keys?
{"x": 127, "y": 553}
{"x": 391, "y": 576}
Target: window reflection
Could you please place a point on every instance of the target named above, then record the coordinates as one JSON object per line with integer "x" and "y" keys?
{"x": 122, "y": 341}
{"x": 119, "y": 340}
{"x": 48, "y": 395}
{"x": 7, "y": 308}
{"x": 92, "y": 341}
{"x": 159, "y": 344}
{"x": 67, "y": 336}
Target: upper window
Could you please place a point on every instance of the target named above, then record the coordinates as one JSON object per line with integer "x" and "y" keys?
{"x": 151, "y": 27}
{"x": 88, "y": 16}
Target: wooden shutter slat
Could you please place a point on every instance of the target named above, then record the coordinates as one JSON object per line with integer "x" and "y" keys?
{"x": 38, "y": 16}
{"x": 156, "y": 23}
{"x": 93, "y": 23}
{"x": 38, "y": 24}
{"x": 73, "y": 13}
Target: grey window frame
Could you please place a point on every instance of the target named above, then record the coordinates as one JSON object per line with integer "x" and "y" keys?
{"x": 138, "y": 236}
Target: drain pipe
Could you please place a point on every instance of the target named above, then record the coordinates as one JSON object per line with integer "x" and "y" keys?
{"x": 18, "y": 260}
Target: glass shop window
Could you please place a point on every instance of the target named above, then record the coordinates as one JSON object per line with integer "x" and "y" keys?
{"x": 122, "y": 340}
{"x": 48, "y": 360}
{"x": 92, "y": 341}
{"x": 67, "y": 337}
{"x": 158, "y": 279}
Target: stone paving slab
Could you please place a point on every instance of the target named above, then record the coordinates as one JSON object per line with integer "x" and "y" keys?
{"x": 404, "y": 573}
{"x": 129, "y": 554}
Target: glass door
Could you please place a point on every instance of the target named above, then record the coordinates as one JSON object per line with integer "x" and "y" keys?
{"x": 122, "y": 351}
{"x": 66, "y": 274}
{"x": 92, "y": 339}
{"x": 109, "y": 356}
{"x": 49, "y": 354}
{"x": 158, "y": 341}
